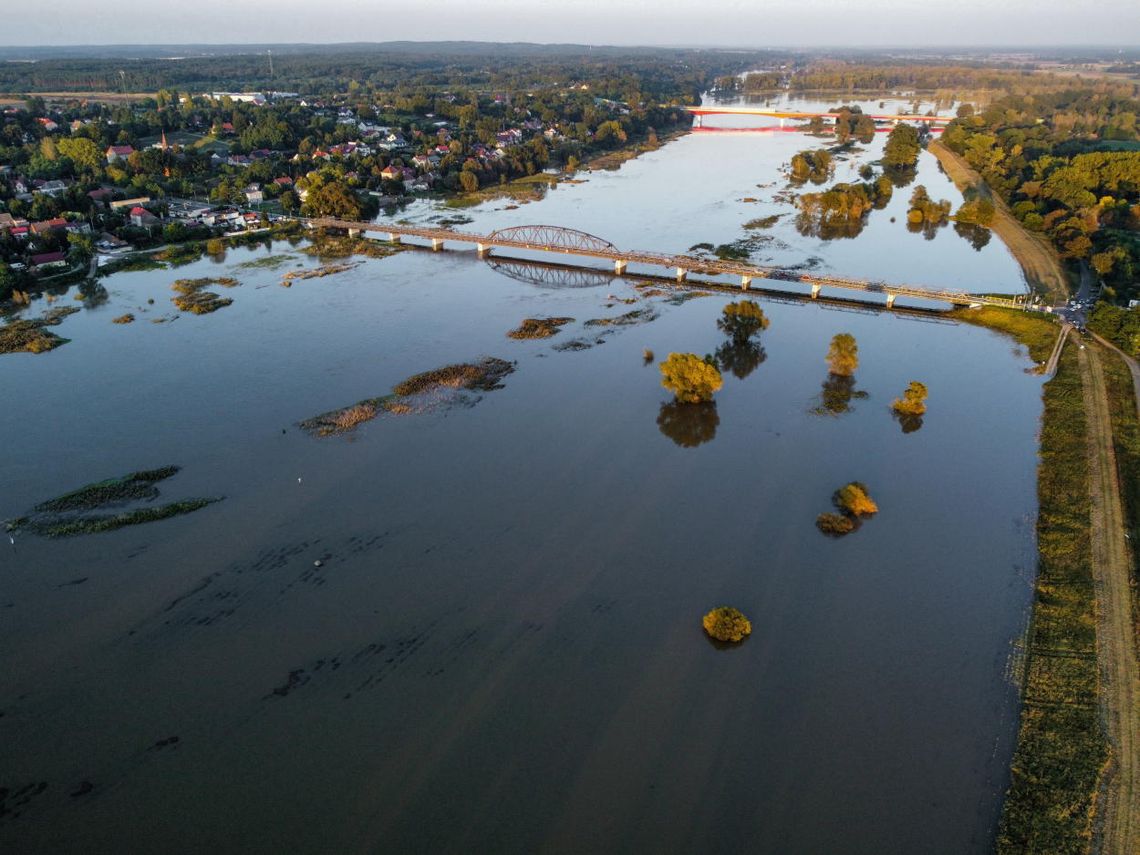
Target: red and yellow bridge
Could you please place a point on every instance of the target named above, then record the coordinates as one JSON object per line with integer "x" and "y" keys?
{"x": 713, "y": 110}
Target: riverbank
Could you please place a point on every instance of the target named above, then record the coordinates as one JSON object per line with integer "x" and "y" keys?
{"x": 1061, "y": 745}
{"x": 614, "y": 159}
{"x": 532, "y": 188}
{"x": 1074, "y": 774}
{"x": 1038, "y": 259}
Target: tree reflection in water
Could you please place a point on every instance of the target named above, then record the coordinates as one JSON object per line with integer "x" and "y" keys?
{"x": 740, "y": 357}
{"x": 688, "y": 425}
{"x": 838, "y": 393}
{"x": 975, "y": 236}
{"x": 908, "y": 423}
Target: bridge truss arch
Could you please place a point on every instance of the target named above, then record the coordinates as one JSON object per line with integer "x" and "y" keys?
{"x": 553, "y": 237}
{"x": 550, "y": 276}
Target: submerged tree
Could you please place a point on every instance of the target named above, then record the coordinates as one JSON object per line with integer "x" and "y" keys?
{"x": 727, "y": 624}
{"x": 900, "y": 153}
{"x": 688, "y": 425}
{"x": 910, "y": 408}
{"x": 692, "y": 380}
{"x": 913, "y": 400}
{"x": 852, "y": 501}
{"x": 855, "y": 499}
{"x": 843, "y": 355}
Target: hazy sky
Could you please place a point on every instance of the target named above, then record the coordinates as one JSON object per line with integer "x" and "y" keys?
{"x": 745, "y": 23}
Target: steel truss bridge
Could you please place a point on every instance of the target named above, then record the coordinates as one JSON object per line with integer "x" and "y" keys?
{"x": 556, "y": 239}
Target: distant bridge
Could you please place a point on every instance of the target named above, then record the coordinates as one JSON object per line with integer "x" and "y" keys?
{"x": 713, "y": 110}
{"x": 583, "y": 245}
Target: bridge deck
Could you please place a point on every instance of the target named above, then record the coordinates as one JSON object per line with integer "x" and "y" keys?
{"x": 686, "y": 263}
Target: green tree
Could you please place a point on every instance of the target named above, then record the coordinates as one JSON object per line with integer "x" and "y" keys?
{"x": 469, "y": 181}
{"x": 902, "y": 147}
{"x": 82, "y": 152}
{"x": 8, "y": 281}
{"x": 692, "y": 380}
{"x": 332, "y": 200}
{"x": 843, "y": 355}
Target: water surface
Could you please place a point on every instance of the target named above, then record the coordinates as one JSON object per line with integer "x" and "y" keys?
{"x": 501, "y": 649}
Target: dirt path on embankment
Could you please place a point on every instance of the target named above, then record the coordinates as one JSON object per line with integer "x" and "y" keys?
{"x": 1119, "y": 811}
{"x": 1038, "y": 260}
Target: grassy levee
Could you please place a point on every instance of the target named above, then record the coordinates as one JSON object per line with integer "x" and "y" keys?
{"x": 1036, "y": 330}
{"x": 1061, "y": 745}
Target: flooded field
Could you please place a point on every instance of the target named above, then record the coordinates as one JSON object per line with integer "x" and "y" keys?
{"x": 472, "y": 620}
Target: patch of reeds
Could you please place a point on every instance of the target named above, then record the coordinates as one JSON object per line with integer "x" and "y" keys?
{"x": 32, "y": 335}
{"x": 417, "y": 394}
{"x": 314, "y": 273}
{"x": 532, "y": 328}
{"x": 70, "y": 514}
{"x": 194, "y": 298}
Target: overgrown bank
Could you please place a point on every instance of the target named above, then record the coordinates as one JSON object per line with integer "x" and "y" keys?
{"x": 1061, "y": 745}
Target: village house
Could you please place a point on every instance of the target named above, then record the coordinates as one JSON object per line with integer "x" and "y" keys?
{"x": 142, "y": 218}
{"x": 52, "y": 188}
{"x": 47, "y": 226}
{"x": 119, "y": 204}
{"x": 101, "y": 196}
{"x": 48, "y": 260}
{"x": 8, "y": 222}
{"x": 118, "y": 152}
{"x": 254, "y": 194}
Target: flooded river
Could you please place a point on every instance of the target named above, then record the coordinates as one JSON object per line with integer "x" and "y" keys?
{"x": 478, "y": 628}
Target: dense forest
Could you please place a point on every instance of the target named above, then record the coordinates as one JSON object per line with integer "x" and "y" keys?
{"x": 1068, "y": 165}
{"x": 660, "y": 73}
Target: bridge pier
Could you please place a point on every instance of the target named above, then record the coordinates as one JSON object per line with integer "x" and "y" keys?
{"x": 436, "y": 244}
{"x": 891, "y": 300}
{"x": 393, "y": 237}
{"x": 482, "y": 250}
{"x": 682, "y": 274}
{"x": 619, "y": 267}
{"x": 745, "y": 281}
{"x": 815, "y": 289}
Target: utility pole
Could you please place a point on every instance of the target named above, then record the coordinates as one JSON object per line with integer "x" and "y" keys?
{"x": 270, "y": 52}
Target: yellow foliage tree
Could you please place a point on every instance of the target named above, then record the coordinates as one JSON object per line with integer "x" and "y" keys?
{"x": 855, "y": 500}
{"x": 691, "y": 379}
{"x": 913, "y": 401}
{"x": 727, "y": 624}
